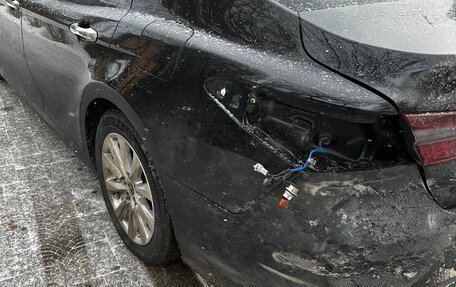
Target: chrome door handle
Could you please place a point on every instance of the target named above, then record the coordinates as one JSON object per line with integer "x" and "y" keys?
{"x": 88, "y": 34}
{"x": 13, "y": 4}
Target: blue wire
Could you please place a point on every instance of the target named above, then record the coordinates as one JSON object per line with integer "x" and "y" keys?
{"x": 320, "y": 149}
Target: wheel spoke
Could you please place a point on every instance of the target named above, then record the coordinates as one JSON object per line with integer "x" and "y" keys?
{"x": 121, "y": 210}
{"x": 143, "y": 230}
{"x": 111, "y": 165}
{"x": 117, "y": 155}
{"x": 135, "y": 169}
{"x": 115, "y": 186}
{"x": 132, "y": 223}
{"x": 124, "y": 152}
{"x": 145, "y": 214}
{"x": 143, "y": 189}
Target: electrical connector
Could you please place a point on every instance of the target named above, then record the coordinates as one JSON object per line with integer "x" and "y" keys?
{"x": 310, "y": 162}
{"x": 291, "y": 192}
{"x": 260, "y": 169}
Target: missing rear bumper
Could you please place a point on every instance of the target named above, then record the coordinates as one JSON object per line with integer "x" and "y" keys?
{"x": 363, "y": 228}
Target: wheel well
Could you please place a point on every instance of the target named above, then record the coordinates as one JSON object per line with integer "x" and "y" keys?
{"x": 93, "y": 115}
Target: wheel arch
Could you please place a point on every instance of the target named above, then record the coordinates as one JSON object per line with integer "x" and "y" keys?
{"x": 98, "y": 97}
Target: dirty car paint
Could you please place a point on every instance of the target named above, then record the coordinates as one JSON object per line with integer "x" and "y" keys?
{"x": 364, "y": 216}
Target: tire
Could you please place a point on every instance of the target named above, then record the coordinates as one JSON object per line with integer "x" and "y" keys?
{"x": 127, "y": 192}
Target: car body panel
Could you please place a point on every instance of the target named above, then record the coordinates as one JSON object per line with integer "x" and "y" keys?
{"x": 157, "y": 44}
{"x": 403, "y": 49}
{"x": 276, "y": 52}
{"x": 227, "y": 222}
{"x": 13, "y": 64}
{"x": 198, "y": 134}
{"x": 61, "y": 63}
{"x": 93, "y": 92}
{"x": 441, "y": 181}
{"x": 312, "y": 5}
{"x": 160, "y": 46}
{"x": 370, "y": 228}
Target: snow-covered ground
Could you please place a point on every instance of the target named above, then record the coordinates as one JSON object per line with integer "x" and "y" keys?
{"x": 54, "y": 228}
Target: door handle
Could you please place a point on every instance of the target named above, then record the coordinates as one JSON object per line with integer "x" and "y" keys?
{"x": 88, "y": 34}
{"x": 13, "y": 4}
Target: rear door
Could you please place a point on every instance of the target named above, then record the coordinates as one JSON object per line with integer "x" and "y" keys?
{"x": 65, "y": 42}
{"x": 12, "y": 59}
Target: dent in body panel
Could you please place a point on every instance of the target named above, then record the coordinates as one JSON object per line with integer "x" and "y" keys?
{"x": 368, "y": 217}
{"x": 214, "y": 154}
{"x": 389, "y": 231}
{"x": 441, "y": 181}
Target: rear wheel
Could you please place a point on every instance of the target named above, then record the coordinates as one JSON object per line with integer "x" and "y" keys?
{"x": 132, "y": 191}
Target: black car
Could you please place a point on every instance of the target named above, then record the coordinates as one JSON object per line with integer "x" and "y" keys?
{"x": 266, "y": 142}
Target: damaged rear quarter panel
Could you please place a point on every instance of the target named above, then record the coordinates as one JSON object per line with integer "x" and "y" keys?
{"x": 375, "y": 225}
{"x": 373, "y": 228}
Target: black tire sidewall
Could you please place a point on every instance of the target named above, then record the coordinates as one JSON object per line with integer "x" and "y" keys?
{"x": 157, "y": 251}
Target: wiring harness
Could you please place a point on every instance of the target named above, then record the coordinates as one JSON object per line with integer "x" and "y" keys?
{"x": 291, "y": 190}
{"x": 310, "y": 163}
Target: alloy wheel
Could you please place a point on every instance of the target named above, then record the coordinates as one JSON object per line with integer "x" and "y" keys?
{"x": 128, "y": 188}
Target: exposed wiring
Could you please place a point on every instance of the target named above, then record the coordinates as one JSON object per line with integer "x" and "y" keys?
{"x": 283, "y": 175}
{"x": 310, "y": 161}
{"x": 291, "y": 190}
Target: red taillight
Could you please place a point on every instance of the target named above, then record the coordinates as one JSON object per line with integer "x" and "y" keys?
{"x": 435, "y": 136}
